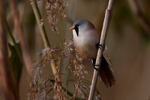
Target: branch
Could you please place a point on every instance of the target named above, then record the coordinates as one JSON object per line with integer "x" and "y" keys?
{"x": 23, "y": 43}
{"x": 8, "y": 83}
{"x": 100, "y": 51}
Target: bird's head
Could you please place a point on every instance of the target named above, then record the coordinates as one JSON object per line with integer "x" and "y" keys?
{"x": 81, "y": 25}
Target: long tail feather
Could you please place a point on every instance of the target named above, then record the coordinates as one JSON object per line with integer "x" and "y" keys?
{"x": 106, "y": 73}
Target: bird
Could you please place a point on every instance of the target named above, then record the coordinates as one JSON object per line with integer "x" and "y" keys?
{"x": 86, "y": 42}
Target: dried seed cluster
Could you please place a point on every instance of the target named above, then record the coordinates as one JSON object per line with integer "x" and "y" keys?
{"x": 55, "y": 9}
{"x": 41, "y": 88}
{"x": 76, "y": 60}
{"x": 52, "y": 87}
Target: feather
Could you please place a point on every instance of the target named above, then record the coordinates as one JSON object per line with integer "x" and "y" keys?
{"x": 106, "y": 73}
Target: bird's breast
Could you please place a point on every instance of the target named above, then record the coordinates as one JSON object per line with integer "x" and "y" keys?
{"x": 85, "y": 43}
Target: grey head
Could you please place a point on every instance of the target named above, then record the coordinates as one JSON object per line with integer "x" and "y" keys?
{"x": 82, "y": 25}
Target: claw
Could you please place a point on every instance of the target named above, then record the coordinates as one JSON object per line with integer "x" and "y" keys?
{"x": 95, "y": 67}
{"x": 94, "y": 64}
{"x": 99, "y": 46}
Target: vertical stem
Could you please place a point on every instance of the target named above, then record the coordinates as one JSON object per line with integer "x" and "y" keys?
{"x": 71, "y": 15}
{"x": 61, "y": 46}
{"x": 63, "y": 30}
{"x": 41, "y": 27}
{"x": 14, "y": 41}
{"x": 42, "y": 31}
{"x": 100, "y": 51}
{"x": 24, "y": 46}
{"x": 8, "y": 83}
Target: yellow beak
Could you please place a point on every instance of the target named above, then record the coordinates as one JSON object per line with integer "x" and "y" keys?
{"x": 71, "y": 28}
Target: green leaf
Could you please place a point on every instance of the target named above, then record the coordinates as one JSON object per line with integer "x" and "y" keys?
{"x": 16, "y": 62}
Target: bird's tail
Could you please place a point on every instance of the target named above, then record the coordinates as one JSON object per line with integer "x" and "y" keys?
{"x": 106, "y": 72}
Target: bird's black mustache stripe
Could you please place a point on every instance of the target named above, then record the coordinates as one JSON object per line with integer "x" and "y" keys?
{"x": 77, "y": 30}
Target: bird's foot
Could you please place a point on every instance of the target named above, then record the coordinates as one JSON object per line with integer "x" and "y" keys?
{"x": 95, "y": 67}
{"x": 99, "y": 46}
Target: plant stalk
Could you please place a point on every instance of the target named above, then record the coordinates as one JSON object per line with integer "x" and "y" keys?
{"x": 7, "y": 79}
{"x": 42, "y": 31}
{"x": 23, "y": 42}
{"x": 100, "y": 51}
{"x": 14, "y": 41}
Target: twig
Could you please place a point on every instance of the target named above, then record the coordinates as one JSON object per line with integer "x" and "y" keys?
{"x": 100, "y": 51}
{"x": 24, "y": 46}
{"x": 42, "y": 31}
{"x": 140, "y": 16}
{"x": 8, "y": 83}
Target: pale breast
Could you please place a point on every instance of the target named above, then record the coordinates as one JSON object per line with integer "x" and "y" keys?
{"x": 86, "y": 42}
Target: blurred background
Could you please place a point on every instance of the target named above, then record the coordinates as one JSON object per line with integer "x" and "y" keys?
{"x": 128, "y": 42}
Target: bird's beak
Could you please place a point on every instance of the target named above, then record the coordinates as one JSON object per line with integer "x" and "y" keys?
{"x": 71, "y": 28}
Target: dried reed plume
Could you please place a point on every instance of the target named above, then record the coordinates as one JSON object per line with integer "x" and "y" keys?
{"x": 55, "y": 8}
{"x": 42, "y": 87}
{"x": 52, "y": 87}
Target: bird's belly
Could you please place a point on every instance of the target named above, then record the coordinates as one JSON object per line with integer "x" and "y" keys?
{"x": 85, "y": 43}
{"x": 86, "y": 51}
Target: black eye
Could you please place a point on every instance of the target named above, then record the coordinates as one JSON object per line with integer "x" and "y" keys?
{"x": 77, "y": 29}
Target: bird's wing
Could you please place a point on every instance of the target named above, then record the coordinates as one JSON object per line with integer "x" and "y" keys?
{"x": 107, "y": 57}
{"x": 105, "y": 54}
